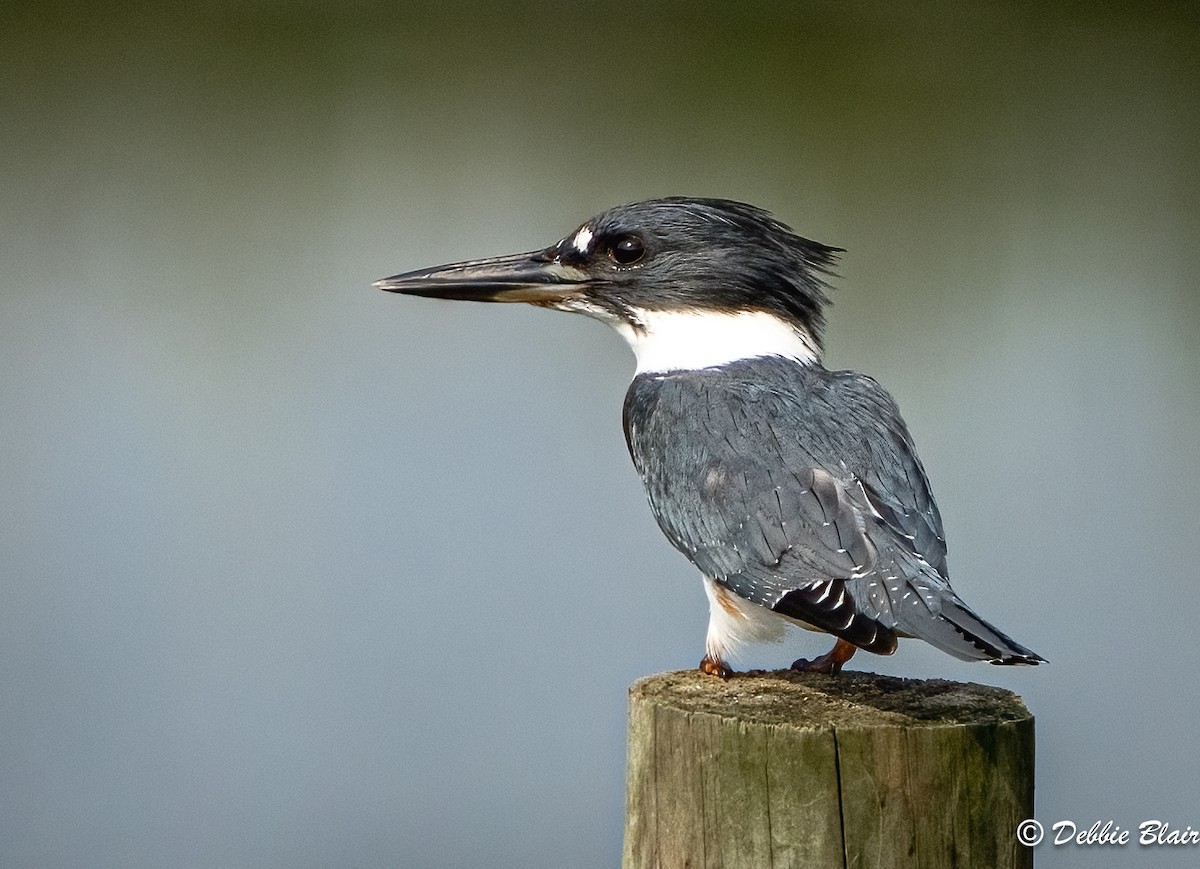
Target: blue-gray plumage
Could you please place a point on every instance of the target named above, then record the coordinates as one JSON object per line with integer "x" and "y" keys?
{"x": 779, "y": 479}
{"x": 795, "y": 490}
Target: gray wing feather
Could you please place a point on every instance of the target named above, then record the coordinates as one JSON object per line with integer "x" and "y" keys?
{"x": 792, "y": 487}
{"x": 741, "y": 476}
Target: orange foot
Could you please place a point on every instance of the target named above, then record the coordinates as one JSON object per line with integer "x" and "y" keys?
{"x": 829, "y": 663}
{"x": 711, "y": 666}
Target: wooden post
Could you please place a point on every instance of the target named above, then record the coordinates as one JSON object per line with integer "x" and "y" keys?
{"x": 782, "y": 769}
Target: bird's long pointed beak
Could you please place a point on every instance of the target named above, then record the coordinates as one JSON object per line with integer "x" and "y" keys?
{"x": 535, "y": 277}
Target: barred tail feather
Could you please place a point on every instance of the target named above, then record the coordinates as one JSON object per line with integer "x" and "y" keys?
{"x": 997, "y": 647}
{"x": 958, "y": 631}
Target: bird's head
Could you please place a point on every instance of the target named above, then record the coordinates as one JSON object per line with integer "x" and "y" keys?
{"x": 632, "y": 263}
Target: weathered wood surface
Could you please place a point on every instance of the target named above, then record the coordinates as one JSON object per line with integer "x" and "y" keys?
{"x": 773, "y": 770}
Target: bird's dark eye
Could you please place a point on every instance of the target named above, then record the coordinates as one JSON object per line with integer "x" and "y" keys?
{"x": 627, "y": 250}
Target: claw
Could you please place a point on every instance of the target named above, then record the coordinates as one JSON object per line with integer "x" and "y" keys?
{"x": 715, "y": 667}
{"x": 829, "y": 663}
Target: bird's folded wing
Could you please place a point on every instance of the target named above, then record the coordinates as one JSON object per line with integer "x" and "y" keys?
{"x": 754, "y": 484}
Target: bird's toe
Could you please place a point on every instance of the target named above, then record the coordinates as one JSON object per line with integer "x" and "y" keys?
{"x": 829, "y": 663}
{"x": 711, "y": 666}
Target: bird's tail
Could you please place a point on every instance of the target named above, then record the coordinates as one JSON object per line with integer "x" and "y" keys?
{"x": 919, "y": 602}
{"x": 959, "y": 631}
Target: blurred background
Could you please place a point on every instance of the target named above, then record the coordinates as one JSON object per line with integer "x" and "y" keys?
{"x": 297, "y": 573}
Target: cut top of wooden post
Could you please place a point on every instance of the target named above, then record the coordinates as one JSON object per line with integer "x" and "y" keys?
{"x": 847, "y": 700}
{"x": 782, "y": 769}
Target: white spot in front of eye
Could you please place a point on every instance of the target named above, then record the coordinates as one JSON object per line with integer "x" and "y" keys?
{"x": 583, "y": 240}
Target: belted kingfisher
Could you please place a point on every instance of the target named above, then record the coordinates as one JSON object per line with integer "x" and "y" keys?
{"x": 795, "y": 490}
